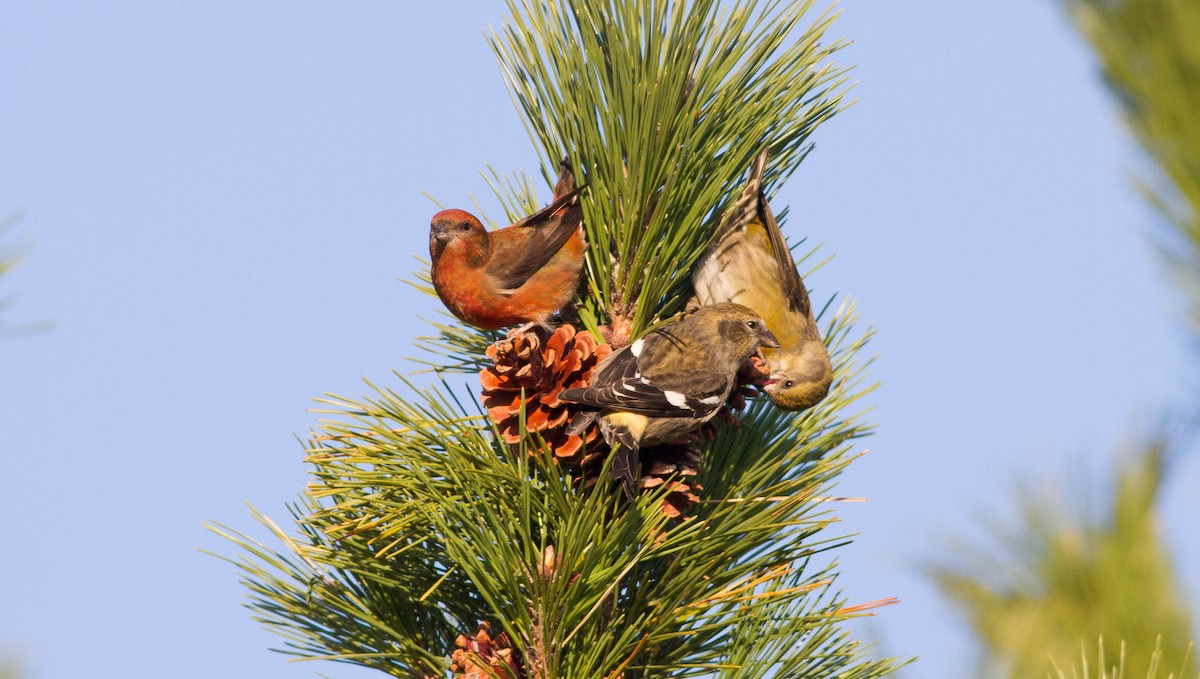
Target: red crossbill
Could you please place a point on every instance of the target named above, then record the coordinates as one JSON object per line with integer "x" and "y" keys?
{"x": 519, "y": 274}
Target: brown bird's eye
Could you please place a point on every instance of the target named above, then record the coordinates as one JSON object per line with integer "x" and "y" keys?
{"x": 789, "y": 384}
{"x": 752, "y": 324}
{"x": 464, "y": 227}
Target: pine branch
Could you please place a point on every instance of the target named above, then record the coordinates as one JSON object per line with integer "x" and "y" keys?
{"x": 1063, "y": 581}
{"x": 414, "y": 508}
{"x": 661, "y": 106}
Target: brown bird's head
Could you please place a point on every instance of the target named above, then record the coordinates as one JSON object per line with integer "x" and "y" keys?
{"x": 457, "y": 229}
{"x": 799, "y": 379}
{"x": 740, "y": 330}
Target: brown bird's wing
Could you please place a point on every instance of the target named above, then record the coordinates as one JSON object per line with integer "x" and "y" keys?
{"x": 616, "y": 368}
{"x": 612, "y": 369}
{"x": 646, "y": 398}
{"x": 622, "y": 386}
{"x": 520, "y": 250}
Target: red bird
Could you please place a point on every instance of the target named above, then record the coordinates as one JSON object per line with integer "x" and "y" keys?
{"x": 519, "y": 274}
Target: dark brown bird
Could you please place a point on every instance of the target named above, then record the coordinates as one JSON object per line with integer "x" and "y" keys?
{"x": 667, "y": 383}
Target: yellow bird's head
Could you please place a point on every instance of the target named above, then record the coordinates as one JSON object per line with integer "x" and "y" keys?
{"x": 799, "y": 379}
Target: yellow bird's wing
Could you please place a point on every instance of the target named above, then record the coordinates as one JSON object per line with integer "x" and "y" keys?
{"x": 789, "y": 277}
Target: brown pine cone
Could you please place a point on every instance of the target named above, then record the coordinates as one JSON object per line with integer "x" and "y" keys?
{"x": 677, "y": 463}
{"x": 539, "y": 367}
{"x": 473, "y": 657}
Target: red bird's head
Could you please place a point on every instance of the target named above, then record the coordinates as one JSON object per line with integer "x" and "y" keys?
{"x": 459, "y": 229}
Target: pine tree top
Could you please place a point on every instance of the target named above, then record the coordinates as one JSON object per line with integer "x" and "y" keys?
{"x": 421, "y": 522}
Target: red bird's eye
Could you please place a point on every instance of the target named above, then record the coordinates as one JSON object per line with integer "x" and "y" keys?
{"x": 464, "y": 227}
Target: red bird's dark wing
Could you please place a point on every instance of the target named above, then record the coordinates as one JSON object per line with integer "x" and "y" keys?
{"x": 522, "y": 249}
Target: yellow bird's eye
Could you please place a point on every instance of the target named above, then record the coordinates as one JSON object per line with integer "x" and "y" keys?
{"x": 789, "y": 384}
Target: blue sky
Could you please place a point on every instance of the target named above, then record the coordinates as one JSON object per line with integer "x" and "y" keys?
{"x": 222, "y": 195}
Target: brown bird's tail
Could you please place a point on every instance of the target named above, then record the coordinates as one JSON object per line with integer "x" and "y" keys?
{"x": 625, "y": 458}
{"x": 626, "y": 451}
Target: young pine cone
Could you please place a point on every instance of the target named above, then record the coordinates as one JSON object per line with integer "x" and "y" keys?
{"x": 475, "y": 656}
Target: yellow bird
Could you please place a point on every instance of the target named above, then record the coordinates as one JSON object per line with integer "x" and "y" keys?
{"x": 749, "y": 263}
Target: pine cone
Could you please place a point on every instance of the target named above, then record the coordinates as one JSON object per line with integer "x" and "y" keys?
{"x": 540, "y": 367}
{"x": 473, "y": 657}
{"x": 677, "y": 464}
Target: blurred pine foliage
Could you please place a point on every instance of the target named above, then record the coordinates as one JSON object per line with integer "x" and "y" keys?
{"x": 1060, "y": 580}
{"x": 1071, "y": 584}
{"x": 1149, "y": 52}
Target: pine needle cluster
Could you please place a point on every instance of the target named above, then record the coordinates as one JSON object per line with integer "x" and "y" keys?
{"x": 1102, "y": 668}
{"x": 688, "y": 95}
